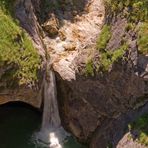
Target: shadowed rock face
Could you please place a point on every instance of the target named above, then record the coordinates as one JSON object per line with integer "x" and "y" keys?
{"x": 101, "y": 103}
{"x": 87, "y": 103}
{"x": 112, "y": 132}
{"x": 98, "y": 104}
{"x": 25, "y": 13}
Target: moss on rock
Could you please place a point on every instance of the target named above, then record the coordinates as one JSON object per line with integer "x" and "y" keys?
{"x": 143, "y": 38}
{"x": 16, "y": 47}
{"x": 89, "y": 68}
{"x": 104, "y": 37}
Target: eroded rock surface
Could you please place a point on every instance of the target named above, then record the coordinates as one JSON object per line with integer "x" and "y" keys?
{"x": 92, "y": 107}
{"x": 74, "y": 31}
{"x": 87, "y": 103}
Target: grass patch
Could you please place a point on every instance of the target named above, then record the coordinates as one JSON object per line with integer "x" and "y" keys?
{"x": 135, "y": 10}
{"x": 16, "y": 47}
{"x": 143, "y": 39}
{"x": 109, "y": 57}
{"x": 89, "y": 70}
{"x": 104, "y": 37}
{"x": 141, "y": 125}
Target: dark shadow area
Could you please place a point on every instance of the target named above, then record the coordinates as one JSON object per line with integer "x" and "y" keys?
{"x": 113, "y": 130}
{"x": 142, "y": 65}
{"x": 19, "y": 104}
{"x": 19, "y": 123}
{"x": 63, "y": 9}
{"x": 139, "y": 129}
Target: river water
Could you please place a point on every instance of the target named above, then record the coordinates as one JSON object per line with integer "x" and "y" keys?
{"x": 19, "y": 123}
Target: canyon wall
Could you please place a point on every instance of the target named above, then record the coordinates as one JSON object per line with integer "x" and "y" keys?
{"x": 99, "y": 83}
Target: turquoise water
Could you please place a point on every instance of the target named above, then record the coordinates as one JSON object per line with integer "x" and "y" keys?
{"x": 18, "y": 124}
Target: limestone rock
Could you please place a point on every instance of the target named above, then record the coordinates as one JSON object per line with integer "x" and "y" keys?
{"x": 70, "y": 47}
{"x": 75, "y": 33}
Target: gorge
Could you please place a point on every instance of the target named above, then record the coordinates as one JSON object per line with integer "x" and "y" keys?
{"x": 83, "y": 64}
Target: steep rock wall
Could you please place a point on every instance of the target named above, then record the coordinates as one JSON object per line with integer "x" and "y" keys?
{"x": 10, "y": 89}
{"x": 110, "y": 89}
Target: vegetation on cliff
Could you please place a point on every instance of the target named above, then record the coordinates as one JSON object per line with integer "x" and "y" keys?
{"x": 108, "y": 57}
{"x": 143, "y": 38}
{"x": 140, "y": 127}
{"x": 104, "y": 37}
{"x": 89, "y": 68}
{"x": 16, "y": 47}
{"x": 135, "y": 12}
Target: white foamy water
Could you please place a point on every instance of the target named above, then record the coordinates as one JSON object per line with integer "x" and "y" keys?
{"x": 52, "y": 133}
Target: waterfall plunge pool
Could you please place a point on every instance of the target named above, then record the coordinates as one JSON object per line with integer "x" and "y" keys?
{"x": 18, "y": 123}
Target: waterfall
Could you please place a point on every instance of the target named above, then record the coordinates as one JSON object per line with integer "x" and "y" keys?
{"x": 51, "y": 133}
{"x": 50, "y": 111}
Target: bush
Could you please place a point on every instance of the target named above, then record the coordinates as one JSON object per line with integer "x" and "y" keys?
{"x": 143, "y": 39}
{"x": 89, "y": 68}
{"x": 104, "y": 37}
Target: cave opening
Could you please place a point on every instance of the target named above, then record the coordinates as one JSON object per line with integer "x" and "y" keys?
{"x": 19, "y": 121}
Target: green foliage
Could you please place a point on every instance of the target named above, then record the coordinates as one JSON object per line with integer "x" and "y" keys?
{"x": 130, "y": 26}
{"x": 118, "y": 53}
{"x": 109, "y": 57}
{"x": 143, "y": 39}
{"x": 16, "y": 47}
{"x": 7, "y": 6}
{"x": 89, "y": 68}
{"x": 135, "y": 10}
{"x": 105, "y": 60}
{"x": 140, "y": 125}
{"x": 104, "y": 37}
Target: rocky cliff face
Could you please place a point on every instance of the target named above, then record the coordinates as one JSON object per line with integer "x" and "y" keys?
{"x": 88, "y": 103}
{"x": 20, "y": 69}
{"x": 100, "y": 69}
{"x": 109, "y": 91}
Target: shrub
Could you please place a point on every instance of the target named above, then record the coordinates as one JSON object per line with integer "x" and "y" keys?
{"x": 104, "y": 37}
{"x": 89, "y": 68}
{"x": 143, "y": 39}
